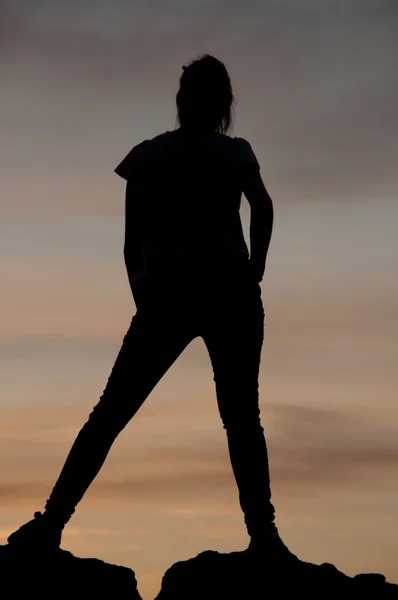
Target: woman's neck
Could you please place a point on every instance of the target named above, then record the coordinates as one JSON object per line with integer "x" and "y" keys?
{"x": 195, "y": 130}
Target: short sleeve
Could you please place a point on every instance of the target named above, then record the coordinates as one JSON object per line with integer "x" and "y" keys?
{"x": 126, "y": 168}
{"x": 245, "y": 154}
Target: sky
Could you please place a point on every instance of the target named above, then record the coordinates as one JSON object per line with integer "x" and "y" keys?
{"x": 315, "y": 83}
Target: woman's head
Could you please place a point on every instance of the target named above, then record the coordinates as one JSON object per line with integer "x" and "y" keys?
{"x": 205, "y": 99}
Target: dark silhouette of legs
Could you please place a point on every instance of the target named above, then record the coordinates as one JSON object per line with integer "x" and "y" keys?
{"x": 233, "y": 334}
{"x": 230, "y": 318}
{"x": 153, "y": 342}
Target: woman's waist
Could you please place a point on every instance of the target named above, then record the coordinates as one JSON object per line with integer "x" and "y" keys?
{"x": 198, "y": 270}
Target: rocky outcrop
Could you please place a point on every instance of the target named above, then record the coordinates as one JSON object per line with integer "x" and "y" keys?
{"x": 209, "y": 576}
{"x": 236, "y": 576}
{"x": 60, "y": 575}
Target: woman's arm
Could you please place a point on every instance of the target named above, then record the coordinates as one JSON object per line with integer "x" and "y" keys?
{"x": 261, "y": 218}
{"x": 132, "y": 238}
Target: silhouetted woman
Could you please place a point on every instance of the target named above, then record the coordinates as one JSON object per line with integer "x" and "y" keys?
{"x": 190, "y": 274}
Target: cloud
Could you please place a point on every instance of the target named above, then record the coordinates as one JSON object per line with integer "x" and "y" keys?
{"x": 327, "y": 448}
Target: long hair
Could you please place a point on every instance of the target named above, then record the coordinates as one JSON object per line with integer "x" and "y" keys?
{"x": 205, "y": 99}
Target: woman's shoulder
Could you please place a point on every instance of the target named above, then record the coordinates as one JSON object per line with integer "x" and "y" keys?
{"x": 244, "y": 151}
{"x": 126, "y": 166}
{"x": 241, "y": 142}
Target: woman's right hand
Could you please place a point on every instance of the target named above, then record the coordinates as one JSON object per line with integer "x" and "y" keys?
{"x": 253, "y": 273}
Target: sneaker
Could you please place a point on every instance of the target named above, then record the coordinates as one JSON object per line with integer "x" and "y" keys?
{"x": 268, "y": 545}
{"x": 39, "y": 533}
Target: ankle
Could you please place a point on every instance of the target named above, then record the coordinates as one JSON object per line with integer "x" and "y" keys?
{"x": 54, "y": 519}
{"x": 264, "y": 531}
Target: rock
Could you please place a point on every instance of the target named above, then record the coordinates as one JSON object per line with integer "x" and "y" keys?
{"x": 209, "y": 576}
{"x": 236, "y": 576}
{"x": 61, "y": 575}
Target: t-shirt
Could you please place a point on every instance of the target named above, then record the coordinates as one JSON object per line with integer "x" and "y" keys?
{"x": 182, "y": 216}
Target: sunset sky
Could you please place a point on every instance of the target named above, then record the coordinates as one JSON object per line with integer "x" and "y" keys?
{"x": 316, "y": 90}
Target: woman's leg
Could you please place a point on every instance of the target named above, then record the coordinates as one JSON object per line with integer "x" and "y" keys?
{"x": 158, "y": 334}
{"x": 233, "y": 332}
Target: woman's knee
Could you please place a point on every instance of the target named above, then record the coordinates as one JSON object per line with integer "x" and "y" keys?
{"x": 108, "y": 418}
